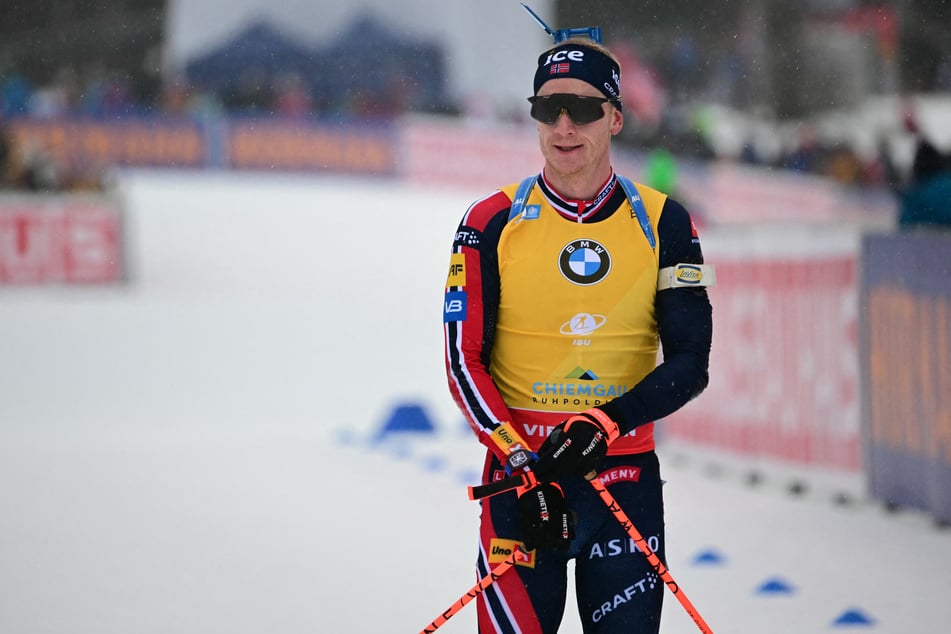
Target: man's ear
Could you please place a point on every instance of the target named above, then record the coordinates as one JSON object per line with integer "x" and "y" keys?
{"x": 617, "y": 122}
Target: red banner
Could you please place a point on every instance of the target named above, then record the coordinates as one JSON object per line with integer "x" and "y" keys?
{"x": 784, "y": 380}
{"x": 60, "y": 239}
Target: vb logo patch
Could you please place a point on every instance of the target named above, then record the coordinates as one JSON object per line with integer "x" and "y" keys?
{"x": 584, "y": 262}
{"x": 454, "y": 306}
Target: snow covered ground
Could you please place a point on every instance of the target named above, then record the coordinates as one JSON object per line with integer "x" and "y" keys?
{"x": 196, "y": 452}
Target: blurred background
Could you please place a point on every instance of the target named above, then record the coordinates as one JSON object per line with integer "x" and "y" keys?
{"x": 810, "y": 141}
{"x": 824, "y": 87}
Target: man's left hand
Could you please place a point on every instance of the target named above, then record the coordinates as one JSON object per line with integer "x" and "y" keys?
{"x": 575, "y": 446}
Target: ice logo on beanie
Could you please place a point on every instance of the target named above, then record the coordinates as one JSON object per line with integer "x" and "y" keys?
{"x": 581, "y": 62}
{"x": 574, "y": 55}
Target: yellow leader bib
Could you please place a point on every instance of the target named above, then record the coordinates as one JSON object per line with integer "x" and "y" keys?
{"x": 576, "y": 325}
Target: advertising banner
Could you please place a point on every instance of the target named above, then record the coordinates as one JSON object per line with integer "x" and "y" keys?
{"x": 784, "y": 381}
{"x": 275, "y": 144}
{"x": 66, "y": 239}
{"x": 906, "y": 367}
{"x": 261, "y": 143}
{"x": 133, "y": 141}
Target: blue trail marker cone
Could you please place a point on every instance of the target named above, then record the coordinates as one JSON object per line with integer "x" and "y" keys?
{"x": 852, "y": 617}
{"x": 775, "y": 586}
{"x": 407, "y": 417}
{"x": 434, "y": 463}
{"x": 709, "y": 557}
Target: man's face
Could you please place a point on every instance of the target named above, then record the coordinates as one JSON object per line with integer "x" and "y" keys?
{"x": 574, "y": 149}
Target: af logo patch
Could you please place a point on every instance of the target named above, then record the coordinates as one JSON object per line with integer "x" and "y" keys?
{"x": 584, "y": 262}
{"x": 457, "y": 270}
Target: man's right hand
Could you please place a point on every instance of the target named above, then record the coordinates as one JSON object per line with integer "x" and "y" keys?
{"x": 544, "y": 517}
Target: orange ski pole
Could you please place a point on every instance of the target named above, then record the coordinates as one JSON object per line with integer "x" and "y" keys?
{"x": 508, "y": 440}
{"x": 652, "y": 557}
{"x": 486, "y": 581}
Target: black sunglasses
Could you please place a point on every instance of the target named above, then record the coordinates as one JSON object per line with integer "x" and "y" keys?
{"x": 581, "y": 109}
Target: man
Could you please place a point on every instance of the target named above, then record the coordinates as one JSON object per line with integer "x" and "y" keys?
{"x": 559, "y": 291}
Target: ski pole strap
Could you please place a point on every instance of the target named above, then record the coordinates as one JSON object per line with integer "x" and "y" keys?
{"x": 652, "y": 557}
{"x": 491, "y": 577}
{"x": 508, "y": 441}
{"x": 525, "y": 479}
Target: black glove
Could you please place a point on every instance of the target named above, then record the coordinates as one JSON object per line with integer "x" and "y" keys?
{"x": 575, "y": 446}
{"x": 544, "y": 518}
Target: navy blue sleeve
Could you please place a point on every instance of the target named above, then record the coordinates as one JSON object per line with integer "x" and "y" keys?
{"x": 685, "y": 327}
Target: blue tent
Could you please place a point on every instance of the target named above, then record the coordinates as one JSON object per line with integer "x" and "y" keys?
{"x": 261, "y": 49}
{"x": 369, "y": 63}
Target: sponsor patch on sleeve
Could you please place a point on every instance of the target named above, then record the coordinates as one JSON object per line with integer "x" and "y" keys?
{"x": 686, "y": 275}
{"x": 455, "y": 304}
{"x": 467, "y": 237}
{"x": 457, "y": 271}
{"x": 500, "y": 550}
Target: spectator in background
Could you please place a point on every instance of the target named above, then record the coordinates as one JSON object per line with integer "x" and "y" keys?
{"x": 926, "y": 200}
{"x": 14, "y": 93}
{"x": 292, "y": 97}
{"x": 662, "y": 172}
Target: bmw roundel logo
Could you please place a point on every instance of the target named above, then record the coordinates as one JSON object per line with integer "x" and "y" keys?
{"x": 584, "y": 262}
